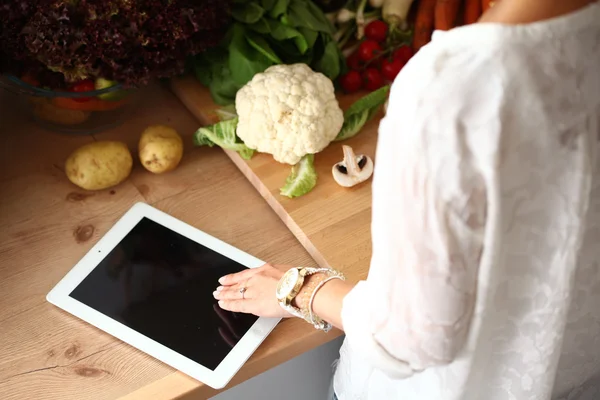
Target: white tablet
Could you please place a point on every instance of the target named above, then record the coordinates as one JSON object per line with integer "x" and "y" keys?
{"x": 149, "y": 282}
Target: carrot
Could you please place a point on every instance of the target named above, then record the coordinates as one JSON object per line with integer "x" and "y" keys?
{"x": 446, "y": 12}
{"x": 472, "y": 11}
{"x": 424, "y": 23}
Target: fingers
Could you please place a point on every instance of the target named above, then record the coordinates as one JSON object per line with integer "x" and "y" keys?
{"x": 231, "y": 293}
{"x": 232, "y": 279}
{"x": 234, "y": 305}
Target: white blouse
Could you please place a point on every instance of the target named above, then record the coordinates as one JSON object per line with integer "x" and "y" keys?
{"x": 484, "y": 190}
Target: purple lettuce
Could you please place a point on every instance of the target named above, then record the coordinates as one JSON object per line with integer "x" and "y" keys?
{"x": 129, "y": 41}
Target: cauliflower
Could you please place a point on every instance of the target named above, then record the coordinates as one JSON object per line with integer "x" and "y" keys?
{"x": 288, "y": 111}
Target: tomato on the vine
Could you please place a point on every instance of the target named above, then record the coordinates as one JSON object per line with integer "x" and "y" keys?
{"x": 391, "y": 68}
{"x": 372, "y": 79}
{"x": 376, "y": 30}
{"x": 87, "y": 85}
{"x": 403, "y": 53}
{"x": 351, "y": 82}
{"x": 353, "y": 61}
{"x": 368, "y": 50}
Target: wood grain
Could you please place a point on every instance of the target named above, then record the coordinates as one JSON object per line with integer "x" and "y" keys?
{"x": 331, "y": 222}
{"x": 49, "y": 224}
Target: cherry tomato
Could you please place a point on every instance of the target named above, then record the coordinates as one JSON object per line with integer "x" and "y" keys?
{"x": 391, "y": 68}
{"x": 82, "y": 87}
{"x": 376, "y": 30}
{"x": 372, "y": 79}
{"x": 351, "y": 82}
{"x": 403, "y": 53}
{"x": 353, "y": 61}
{"x": 368, "y": 49}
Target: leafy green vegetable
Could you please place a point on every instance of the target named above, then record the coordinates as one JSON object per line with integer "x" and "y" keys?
{"x": 281, "y": 32}
{"x": 244, "y": 60}
{"x": 212, "y": 71}
{"x": 302, "y": 178}
{"x": 301, "y": 15}
{"x": 261, "y": 26}
{"x": 263, "y": 47}
{"x": 223, "y": 135}
{"x": 249, "y": 13}
{"x": 266, "y": 33}
{"x": 357, "y": 115}
{"x": 310, "y": 36}
{"x": 329, "y": 63}
{"x": 279, "y": 8}
{"x": 268, "y": 4}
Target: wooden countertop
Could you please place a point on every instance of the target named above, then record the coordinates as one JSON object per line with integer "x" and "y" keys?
{"x": 47, "y": 225}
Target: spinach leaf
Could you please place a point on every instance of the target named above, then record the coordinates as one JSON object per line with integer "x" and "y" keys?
{"x": 263, "y": 47}
{"x": 248, "y": 13}
{"x": 318, "y": 13}
{"x": 212, "y": 70}
{"x": 329, "y": 63}
{"x": 261, "y": 26}
{"x": 288, "y": 52}
{"x": 223, "y": 134}
{"x": 268, "y": 4}
{"x": 244, "y": 60}
{"x": 279, "y": 8}
{"x": 223, "y": 88}
{"x": 310, "y": 36}
{"x": 357, "y": 115}
{"x": 282, "y": 32}
{"x": 301, "y": 15}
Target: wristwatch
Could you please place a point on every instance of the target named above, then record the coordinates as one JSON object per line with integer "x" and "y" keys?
{"x": 288, "y": 288}
{"x": 291, "y": 282}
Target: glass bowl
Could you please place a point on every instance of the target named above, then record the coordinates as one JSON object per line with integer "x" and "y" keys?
{"x": 82, "y": 113}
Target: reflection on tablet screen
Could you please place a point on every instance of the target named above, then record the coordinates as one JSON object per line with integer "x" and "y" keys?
{"x": 160, "y": 284}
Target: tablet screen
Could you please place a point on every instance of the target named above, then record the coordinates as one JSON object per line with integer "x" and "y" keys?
{"x": 160, "y": 284}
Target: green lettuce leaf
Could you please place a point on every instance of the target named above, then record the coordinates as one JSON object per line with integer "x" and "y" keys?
{"x": 223, "y": 135}
{"x": 361, "y": 112}
{"x": 302, "y": 178}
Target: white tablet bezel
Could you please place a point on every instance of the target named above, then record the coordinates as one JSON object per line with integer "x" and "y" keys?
{"x": 220, "y": 377}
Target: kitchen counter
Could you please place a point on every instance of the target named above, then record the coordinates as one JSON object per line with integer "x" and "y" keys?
{"x": 48, "y": 224}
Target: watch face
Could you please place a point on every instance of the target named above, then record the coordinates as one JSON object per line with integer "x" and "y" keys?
{"x": 287, "y": 283}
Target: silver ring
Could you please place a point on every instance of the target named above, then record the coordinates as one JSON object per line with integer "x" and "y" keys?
{"x": 243, "y": 292}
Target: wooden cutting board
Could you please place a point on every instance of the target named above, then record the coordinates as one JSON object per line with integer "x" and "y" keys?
{"x": 333, "y": 223}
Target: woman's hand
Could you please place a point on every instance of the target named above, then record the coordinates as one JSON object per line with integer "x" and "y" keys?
{"x": 258, "y": 298}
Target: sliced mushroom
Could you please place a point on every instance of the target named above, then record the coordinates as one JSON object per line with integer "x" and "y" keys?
{"x": 353, "y": 169}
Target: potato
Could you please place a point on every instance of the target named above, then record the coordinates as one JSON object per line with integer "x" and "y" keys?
{"x": 160, "y": 149}
{"x": 46, "y": 111}
{"x": 99, "y": 165}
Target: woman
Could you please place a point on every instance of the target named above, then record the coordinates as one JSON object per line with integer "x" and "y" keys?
{"x": 478, "y": 288}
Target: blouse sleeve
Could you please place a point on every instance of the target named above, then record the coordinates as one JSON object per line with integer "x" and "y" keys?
{"x": 429, "y": 213}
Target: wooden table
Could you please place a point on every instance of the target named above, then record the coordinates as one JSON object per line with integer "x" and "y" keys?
{"x": 47, "y": 225}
